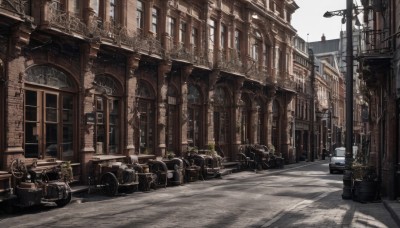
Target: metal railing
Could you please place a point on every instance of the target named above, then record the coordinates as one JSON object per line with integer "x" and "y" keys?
{"x": 377, "y": 42}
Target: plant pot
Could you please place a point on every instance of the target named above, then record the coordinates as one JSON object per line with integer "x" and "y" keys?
{"x": 365, "y": 191}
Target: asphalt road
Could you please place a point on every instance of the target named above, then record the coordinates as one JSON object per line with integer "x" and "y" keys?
{"x": 300, "y": 195}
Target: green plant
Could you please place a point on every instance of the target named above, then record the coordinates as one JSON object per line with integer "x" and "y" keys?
{"x": 363, "y": 172}
{"x": 170, "y": 154}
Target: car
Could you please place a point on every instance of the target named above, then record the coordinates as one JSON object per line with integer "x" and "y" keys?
{"x": 337, "y": 160}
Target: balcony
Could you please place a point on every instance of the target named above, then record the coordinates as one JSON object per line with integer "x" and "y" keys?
{"x": 106, "y": 32}
{"x": 376, "y": 57}
{"x": 178, "y": 52}
{"x": 15, "y": 7}
{"x": 377, "y": 43}
{"x": 288, "y": 85}
{"x": 230, "y": 62}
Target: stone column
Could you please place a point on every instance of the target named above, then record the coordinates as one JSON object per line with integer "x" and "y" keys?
{"x": 212, "y": 80}
{"x": 89, "y": 54}
{"x": 130, "y": 90}
{"x": 162, "y": 87}
{"x": 186, "y": 71}
{"x": 286, "y": 147}
{"x": 269, "y": 116}
{"x": 237, "y": 117}
{"x": 253, "y": 124}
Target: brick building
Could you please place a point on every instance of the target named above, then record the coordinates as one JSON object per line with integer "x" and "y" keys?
{"x": 379, "y": 71}
{"x": 86, "y": 78}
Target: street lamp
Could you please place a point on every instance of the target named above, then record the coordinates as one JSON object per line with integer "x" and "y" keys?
{"x": 312, "y": 76}
{"x": 348, "y": 13}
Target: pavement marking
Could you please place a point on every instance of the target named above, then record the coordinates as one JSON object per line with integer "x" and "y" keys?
{"x": 304, "y": 202}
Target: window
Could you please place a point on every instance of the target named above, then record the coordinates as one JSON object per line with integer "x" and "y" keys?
{"x": 107, "y": 114}
{"x": 223, "y": 36}
{"x": 146, "y": 119}
{"x": 171, "y": 26}
{"x": 49, "y": 114}
{"x": 75, "y": 6}
{"x": 172, "y": 119}
{"x": 112, "y": 12}
{"x": 94, "y": 4}
{"x": 254, "y": 52}
{"x": 194, "y": 128}
{"x": 195, "y": 39}
{"x": 221, "y": 116}
{"x": 211, "y": 39}
{"x": 182, "y": 32}
{"x": 266, "y": 55}
{"x": 237, "y": 42}
{"x": 139, "y": 15}
{"x": 154, "y": 20}
{"x": 107, "y": 125}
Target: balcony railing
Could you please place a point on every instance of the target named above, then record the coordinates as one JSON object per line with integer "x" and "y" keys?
{"x": 65, "y": 21}
{"x": 180, "y": 52}
{"x": 230, "y": 61}
{"x": 200, "y": 57}
{"x": 377, "y": 42}
{"x": 108, "y": 31}
{"x": 287, "y": 83}
{"x": 21, "y": 7}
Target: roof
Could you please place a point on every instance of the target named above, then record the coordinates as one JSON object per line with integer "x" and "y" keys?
{"x": 325, "y": 46}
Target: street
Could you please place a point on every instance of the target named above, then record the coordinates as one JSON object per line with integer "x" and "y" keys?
{"x": 300, "y": 195}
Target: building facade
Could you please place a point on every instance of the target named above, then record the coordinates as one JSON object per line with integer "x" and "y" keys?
{"x": 379, "y": 71}
{"x": 83, "y": 79}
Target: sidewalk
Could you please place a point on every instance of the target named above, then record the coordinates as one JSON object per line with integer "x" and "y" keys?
{"x": 329, "y": 210}
{"x": 393, "y": 206}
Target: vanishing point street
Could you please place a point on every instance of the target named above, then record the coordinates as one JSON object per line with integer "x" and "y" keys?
{"x": 300, "y": 195}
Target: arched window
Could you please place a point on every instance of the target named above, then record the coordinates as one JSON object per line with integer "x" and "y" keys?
{"x": 108, "y": 115}
{"x": 172, "y": 119}
{"x": 245, "y": 118}
{"x": 194, "y": 117}
{"x": 49, "y": 114}
{"x": 146, "y": 115}
{"x": 221, "y": 116}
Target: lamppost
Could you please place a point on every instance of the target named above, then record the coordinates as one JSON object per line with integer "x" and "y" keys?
{"x": 312, "y": 130}
{"x": 347, "y": 18}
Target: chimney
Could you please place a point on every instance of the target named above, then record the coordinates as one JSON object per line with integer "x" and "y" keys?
{"x": 323, "y": 38}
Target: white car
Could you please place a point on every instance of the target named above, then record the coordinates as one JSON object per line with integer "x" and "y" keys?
{"x": 337, "y": 160}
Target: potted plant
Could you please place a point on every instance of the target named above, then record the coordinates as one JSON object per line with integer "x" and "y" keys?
{"x": 365, "y": 182}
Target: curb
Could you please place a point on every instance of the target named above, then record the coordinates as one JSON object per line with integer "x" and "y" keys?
{"x": 392, "y": 211}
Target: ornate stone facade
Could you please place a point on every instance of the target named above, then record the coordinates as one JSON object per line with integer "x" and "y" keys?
{"x": 144, "y": 77}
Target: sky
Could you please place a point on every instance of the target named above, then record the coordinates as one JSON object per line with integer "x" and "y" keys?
{"x": 308, "y": 19}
